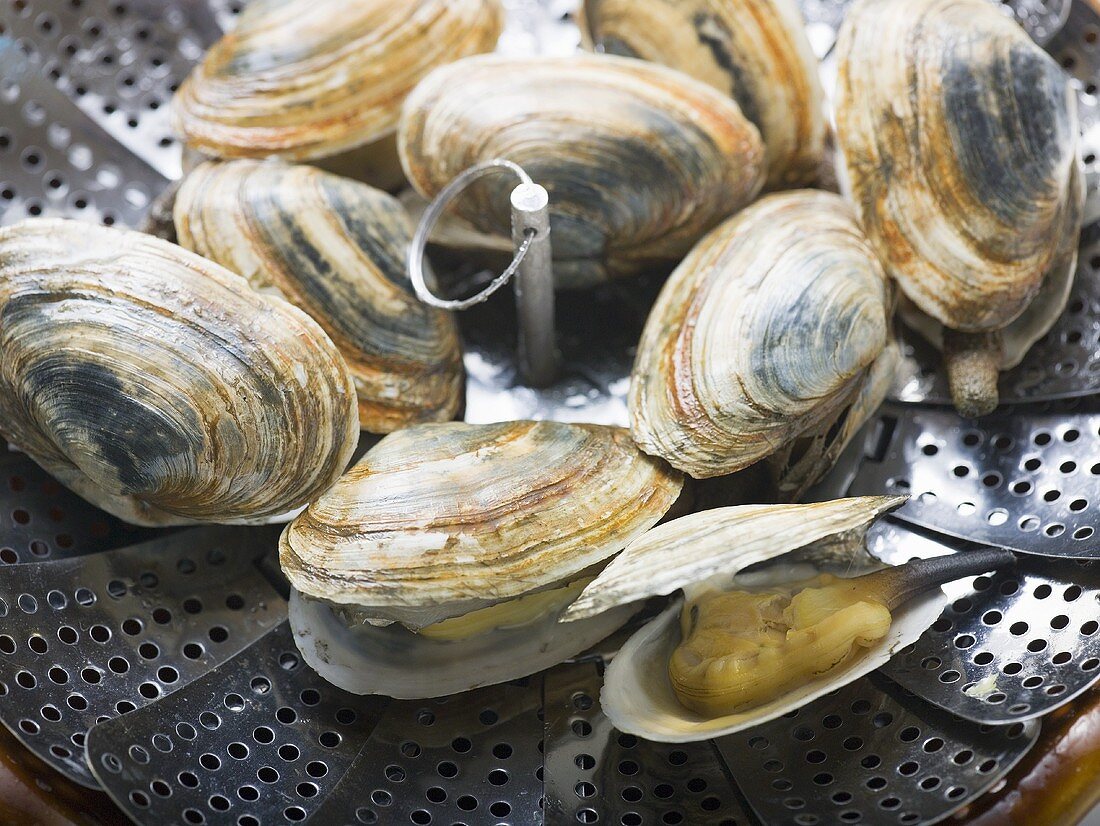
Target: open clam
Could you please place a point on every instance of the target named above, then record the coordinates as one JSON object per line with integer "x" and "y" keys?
{"x": 442, "y": 560}
{"x": 744, "y": 647}
{"x": 772, "y": 339}
{"x": 754, "y": 50}
{"x": 160, "y": 386}
{"x": 959, "y": 145}
{"x": 305, "y": 79}
{"x": 639, "y": 160}
{"x": 336, "y": 249}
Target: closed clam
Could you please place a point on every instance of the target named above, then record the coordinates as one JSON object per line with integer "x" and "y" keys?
{"x": 754, "y": 50}
{"x": 441, "y": 561}
{"x": 741, "y": 648}
{"x": 160, "y": 386}
{"x": 304, "y": 79}
{"x": 640, "y": 161}
{"x": 771, "y": 339}
{"x": 959, "y": 143}
{"x": 336, "y": 249}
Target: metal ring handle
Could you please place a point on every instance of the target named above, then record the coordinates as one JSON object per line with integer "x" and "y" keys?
{"x": 432, "y": 215}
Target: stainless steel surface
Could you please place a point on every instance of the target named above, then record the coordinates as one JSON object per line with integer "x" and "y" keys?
{"x": 260, "y": 739}
{"x": 54, "y": 160}
{"x": 534, "y": 288}
{"x": 1011, "y": 646}
{"x": 1027, "y": 479}
{"x": 474, "y": 758}
{"x": 594, "y": 774}
{"x": 89, "y": 638}
{"x": 594, "y": 378}
{"x": 41, "y": 520}
{"x": 870, "y": 753}
{"x": 119, "y": 61}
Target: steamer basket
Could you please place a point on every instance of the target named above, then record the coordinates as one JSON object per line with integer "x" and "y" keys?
{"x": 159, "y": 666}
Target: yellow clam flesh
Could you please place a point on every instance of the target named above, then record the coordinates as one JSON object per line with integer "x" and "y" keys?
{"x": 306, "y": 79}
{"x": 160, "y": 386}
{"x": 744, "y": 647}
{"x": 771, "y": 340}
{"x": 639, "y": 160}
{"x": 443, "y": 559}
{"x": 336, "y": 249}
{"x": 959, "y": 144}
{"x": 756, "y": 51}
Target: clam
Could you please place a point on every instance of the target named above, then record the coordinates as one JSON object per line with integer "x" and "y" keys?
{"x": 743, "y": 647}
{"x": 305, "y": 79}
{"x": 161, "y": 387}
{"x": 771, "y": 339}
{"x": 639, "y": 160}
{"x": 442, "y": 560}
{"x": 959, "y": 145}
{"x": 753, "y": 50}
{"x": 336, "y": 249}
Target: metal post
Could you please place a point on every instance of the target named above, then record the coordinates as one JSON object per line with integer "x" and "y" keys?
{"x": 534, "y": 286}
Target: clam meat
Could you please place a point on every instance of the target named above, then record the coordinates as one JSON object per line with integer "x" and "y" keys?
{"x": 764, "y": 626}
{"x": 959, "y": 139}
{"x": 753, "y": 50}
{"x": 336, "y": 249}
{"x": 772, "y": 340}
{"x": 161, "y": 387}
{"x": 442, "y": 560}
{"x": 305, "y": 79}
{"x": 639, "y": 160}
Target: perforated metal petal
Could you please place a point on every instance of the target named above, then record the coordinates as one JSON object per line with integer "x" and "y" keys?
{"x": 41, "y": 520}
{"x": 259, "y": 740}
{"x": 870, "y": 753}
{"x": 595, "y": 774}
{"x": 87, "y": 639}
{"x": 1011, "y": 646}
{"x": 1025, "y": 481}
{"x": 120, "y": 61}
{"x": 54, "y": 160}
{"x": 471, "y": 758}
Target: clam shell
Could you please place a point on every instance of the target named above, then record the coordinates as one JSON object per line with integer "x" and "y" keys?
{"x": 160, "y": 386}
{"x": 756, "y": 51}
{"x": 302, "y": 79}
{"x": 720, "y": 542}
{"x": 639, "y": 160}
{"x": 800, "y": 464}
{"x": 766, "y": 332}
{"x": 1039, "y": 316}
{"x": 450, "y": 517}
{"x": 638, "y": 698}
{"x": 709, "y": 549}
{"x": 336, "y": 249}
{"x": 396, "y": 662}
{"x": 959, "y": 140}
